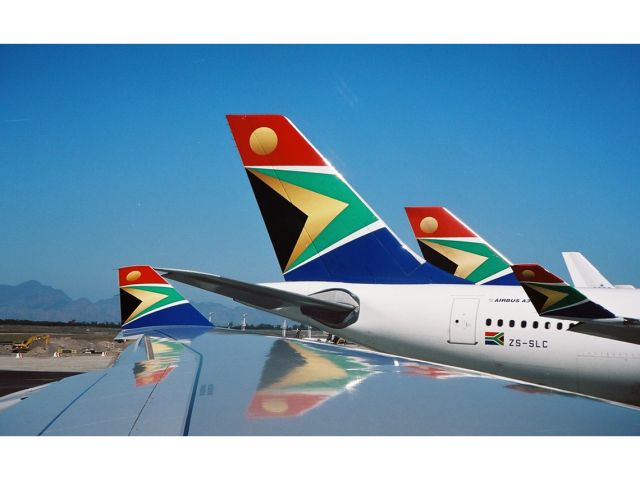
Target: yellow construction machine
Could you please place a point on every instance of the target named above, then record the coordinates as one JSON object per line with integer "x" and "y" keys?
{"x": 26, "y": 345}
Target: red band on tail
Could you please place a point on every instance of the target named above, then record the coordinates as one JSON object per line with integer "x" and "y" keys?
{"x": 138, "y": 274}
{"x": 271, "y": 140}
{"x": 436, "y": 222}
{"x": 532, "y": 272}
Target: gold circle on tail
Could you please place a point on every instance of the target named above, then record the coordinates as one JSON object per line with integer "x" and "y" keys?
{"x": 133, "y": 276}
{"x": 428, "y": 225}
{"x": 528, "y": 274}
{"x": 275, "y": 405}
{"x": 263, "y": 141}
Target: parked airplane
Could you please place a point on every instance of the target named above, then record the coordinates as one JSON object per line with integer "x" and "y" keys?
{"x": 182, "y": 376}
{"x": 347, "y": 273}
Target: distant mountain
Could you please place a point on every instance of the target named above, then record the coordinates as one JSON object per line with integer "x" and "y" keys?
{"x": 33, "y": 301}
{"x": 34, "y": 294}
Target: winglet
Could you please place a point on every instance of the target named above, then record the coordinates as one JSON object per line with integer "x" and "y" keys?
{"x": 147, "y": 300}
{"x": 447, "y": 243}
{"x": 553, "y": 297}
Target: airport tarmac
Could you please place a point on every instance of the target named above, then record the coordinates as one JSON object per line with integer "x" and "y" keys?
{"x": 21, "y": 373}
{"x": 75, "y": 364}
{"x": 16, "y": 381}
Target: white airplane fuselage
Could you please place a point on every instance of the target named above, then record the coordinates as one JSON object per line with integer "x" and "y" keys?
{"x": 448, "y": 324}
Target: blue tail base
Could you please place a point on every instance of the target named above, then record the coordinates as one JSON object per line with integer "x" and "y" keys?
{"x": 508, "y": 279}
{"x": 376, "y": 257}
{"x": 184, "y": 314}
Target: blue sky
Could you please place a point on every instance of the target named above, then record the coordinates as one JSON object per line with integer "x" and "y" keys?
{"x": 113, "y": 155}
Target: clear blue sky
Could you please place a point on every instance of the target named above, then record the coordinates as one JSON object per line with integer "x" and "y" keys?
{"x": 113, "y": 155}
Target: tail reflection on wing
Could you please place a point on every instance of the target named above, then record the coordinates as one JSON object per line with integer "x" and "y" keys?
{"x": 433, "y": 371}
{"x": 163, "y": 355}
{"x": 298, "y": 378}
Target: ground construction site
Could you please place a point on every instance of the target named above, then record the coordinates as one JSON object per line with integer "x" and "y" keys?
{"x": 33, "y": 355}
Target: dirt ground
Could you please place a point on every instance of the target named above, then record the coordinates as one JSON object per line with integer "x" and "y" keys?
{"x": 71, "y": 341}
{"x": 39, "y": 365}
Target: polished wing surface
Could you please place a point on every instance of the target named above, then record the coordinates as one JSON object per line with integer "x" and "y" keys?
{"x": 195, "y": 381}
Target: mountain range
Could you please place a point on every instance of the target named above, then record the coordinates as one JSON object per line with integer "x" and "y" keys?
{"x": 32, "y": 300}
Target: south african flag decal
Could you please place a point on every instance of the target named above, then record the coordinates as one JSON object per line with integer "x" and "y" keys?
{"x": 494, "y": 338}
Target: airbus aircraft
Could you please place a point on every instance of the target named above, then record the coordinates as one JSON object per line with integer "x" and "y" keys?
{"x": 182, "y": 376}
{"x": 347, "y": 273}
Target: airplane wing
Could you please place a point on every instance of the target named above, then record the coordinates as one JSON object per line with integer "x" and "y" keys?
{"x": 554, "y": 298}
{"x": 583, "y": 273}
{"x": 180, "y": 376}
{"x": 334, "y": 308}
{"x": 209, "y": 381}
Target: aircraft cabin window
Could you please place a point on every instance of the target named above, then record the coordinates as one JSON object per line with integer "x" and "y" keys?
{"x": 500, "y": 322}
{"x": 523, "y": 324}
{"x": 559, "y": 326}
{"x": 547, "y": 325}
{"x": 512, "y": 323}
{"x": 535, "y": 324}
{"x": 488, "y": 322}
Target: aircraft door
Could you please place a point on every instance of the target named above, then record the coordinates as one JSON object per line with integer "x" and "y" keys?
{"x": 462, "y": 326}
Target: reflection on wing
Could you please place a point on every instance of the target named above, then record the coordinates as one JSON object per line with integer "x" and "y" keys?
{"x": 439, "y": 373}
{"x": 537, "y": 390}
{"x": 298, "y": 378}
{"x": 532, "y": 389}
{"x": 163, "y": 355}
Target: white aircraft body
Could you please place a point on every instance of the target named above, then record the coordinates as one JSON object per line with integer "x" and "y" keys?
{"x": 448, "y": 324}
{"x": 348, "y": 274}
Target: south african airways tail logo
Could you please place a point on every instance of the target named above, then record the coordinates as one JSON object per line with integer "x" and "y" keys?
{"x": 447, "y": 243}
{"x": 307, "y": 207}
{"x": 320, "y": 228}
{"x": 147, "y": 300}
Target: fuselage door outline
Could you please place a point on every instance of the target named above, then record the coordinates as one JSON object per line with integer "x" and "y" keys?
{"x": 462, "y": 325}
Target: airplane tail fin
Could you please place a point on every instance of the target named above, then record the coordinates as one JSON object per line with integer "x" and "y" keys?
{"x": 552, "y": 297}
{"x": 320, "y": 228}
{"x": 583, "y": 273}
{"x": 147, "y": 300}
{"x": 447, "y": 243}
